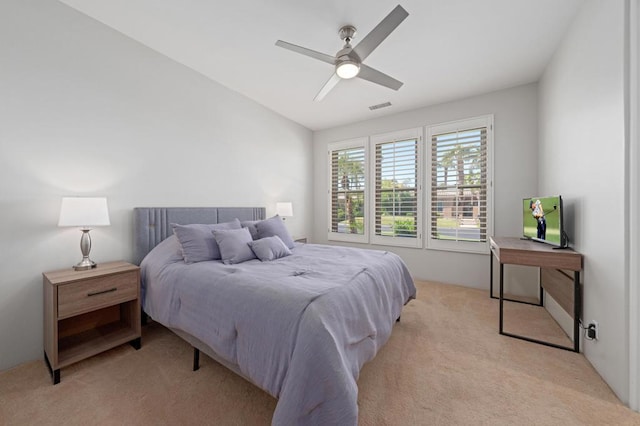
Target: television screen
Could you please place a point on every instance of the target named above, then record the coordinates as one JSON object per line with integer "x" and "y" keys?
{"x": 542, "y": 219}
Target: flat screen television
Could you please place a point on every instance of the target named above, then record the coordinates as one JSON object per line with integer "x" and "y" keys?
{"x": 542, "y": 220}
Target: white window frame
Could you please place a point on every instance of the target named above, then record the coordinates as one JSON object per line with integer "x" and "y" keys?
{"x": 415, "y": 133}
{"x": 453, "y": 126}
{"x": 339, "y": 236}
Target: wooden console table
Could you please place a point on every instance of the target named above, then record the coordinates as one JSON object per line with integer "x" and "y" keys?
{"x": 552, "y": 262}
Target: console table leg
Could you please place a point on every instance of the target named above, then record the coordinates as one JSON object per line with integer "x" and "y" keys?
{"x": 541, "y": 289}
{"x": 501, "y": 296}
{"x": 491, "y": 275}
{"x": 577, "y": 301}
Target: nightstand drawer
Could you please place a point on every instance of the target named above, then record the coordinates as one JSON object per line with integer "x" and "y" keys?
{"x": 88, "y": 295}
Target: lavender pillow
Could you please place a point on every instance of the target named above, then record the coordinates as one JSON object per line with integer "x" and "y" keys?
{"x": 251, "y": 226}
{"x": 234, "y": 245}
{"x": 197, "y": 242}
{"x": 269, "y": 248}
{"x": 274, "y": 226}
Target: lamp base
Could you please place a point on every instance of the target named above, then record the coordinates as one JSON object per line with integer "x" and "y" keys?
{"x": 85, "y": 265}
{"x": 85, "y": 248}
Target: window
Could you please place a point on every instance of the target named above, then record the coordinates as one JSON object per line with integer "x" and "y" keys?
{"x": 377, "y": 187}
{"x": 396, "y": 183}
{"x": 347, "y": 163}
{"x": 460, "y": 185}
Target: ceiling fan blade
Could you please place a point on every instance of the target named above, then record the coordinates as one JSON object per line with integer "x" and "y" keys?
{"x": 307, "y": 52}
{"x": 375, "y": 76}
{"x": 330, "y": 84}
{"x": 380, "y": 32}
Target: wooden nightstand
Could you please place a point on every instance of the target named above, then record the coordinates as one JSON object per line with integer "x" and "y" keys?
{"x": 88, "y": 312}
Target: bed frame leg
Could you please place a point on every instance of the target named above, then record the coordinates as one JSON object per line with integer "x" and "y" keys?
{"x": 196, "y": 359}
{"x": 398, "y": 320}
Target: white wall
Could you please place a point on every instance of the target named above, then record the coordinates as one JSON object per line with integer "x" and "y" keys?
{"x": 515, "y": 175}
{"x": 582, "y": 156}
{"x": 87, "y": 111}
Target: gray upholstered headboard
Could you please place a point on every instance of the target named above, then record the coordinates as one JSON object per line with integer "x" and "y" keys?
{"x": 151, "y": 225}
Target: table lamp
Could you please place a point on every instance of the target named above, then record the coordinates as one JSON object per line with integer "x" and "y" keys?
{"x": 85, "y": 213}
{"x": 284, "y": 209}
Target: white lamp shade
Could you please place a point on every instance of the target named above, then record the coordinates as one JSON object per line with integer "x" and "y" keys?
{"x": 84, "y": 212}
{"x": 284, "y": 209}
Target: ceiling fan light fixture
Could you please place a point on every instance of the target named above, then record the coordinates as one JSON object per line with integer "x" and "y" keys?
{"x": 348, "y": 61}
{"x": 347, "y": 69}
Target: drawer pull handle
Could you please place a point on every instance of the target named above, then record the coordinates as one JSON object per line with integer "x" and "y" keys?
{"x": 95, "y": 293}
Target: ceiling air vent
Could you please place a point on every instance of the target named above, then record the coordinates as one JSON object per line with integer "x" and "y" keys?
{"x": 384, "y": 105}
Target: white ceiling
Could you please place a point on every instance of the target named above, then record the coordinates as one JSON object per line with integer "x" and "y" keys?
{"x": 444, "y": 50}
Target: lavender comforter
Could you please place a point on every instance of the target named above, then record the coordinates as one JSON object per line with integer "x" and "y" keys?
{"x": 300, "y": 327}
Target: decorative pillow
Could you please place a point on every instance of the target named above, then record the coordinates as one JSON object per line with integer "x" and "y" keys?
{"x": 197, "y": 242}
{"x": 251, "y": 226}
{"x": 274, "y": 226}
{"x": 269, "y": 248}
{"x": 234, "y": 245}
{"x": 168, "y": 251}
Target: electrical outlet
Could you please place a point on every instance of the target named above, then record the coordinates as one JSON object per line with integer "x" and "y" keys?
{"x": 592, "y": 330}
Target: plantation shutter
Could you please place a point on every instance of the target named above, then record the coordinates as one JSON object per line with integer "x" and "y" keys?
{"x": 347, "y": 190}
{"x": 396, "y": 188}
{"x": 459, "y": 185}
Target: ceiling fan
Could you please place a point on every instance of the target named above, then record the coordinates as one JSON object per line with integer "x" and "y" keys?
{"x": 348, "y": 61}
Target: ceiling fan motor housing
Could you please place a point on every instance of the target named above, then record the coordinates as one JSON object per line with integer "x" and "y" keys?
{"x": 347, "y": 33}
{"x": 347, "y": 61}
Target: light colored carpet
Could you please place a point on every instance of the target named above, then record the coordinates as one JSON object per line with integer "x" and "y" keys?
{"x": 445, "y": 364}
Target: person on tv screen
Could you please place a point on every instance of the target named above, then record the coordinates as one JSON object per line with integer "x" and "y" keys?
{"x": 538, "y": 213}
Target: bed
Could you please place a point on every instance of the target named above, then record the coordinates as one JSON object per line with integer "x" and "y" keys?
{"x": 300, "y": 327}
